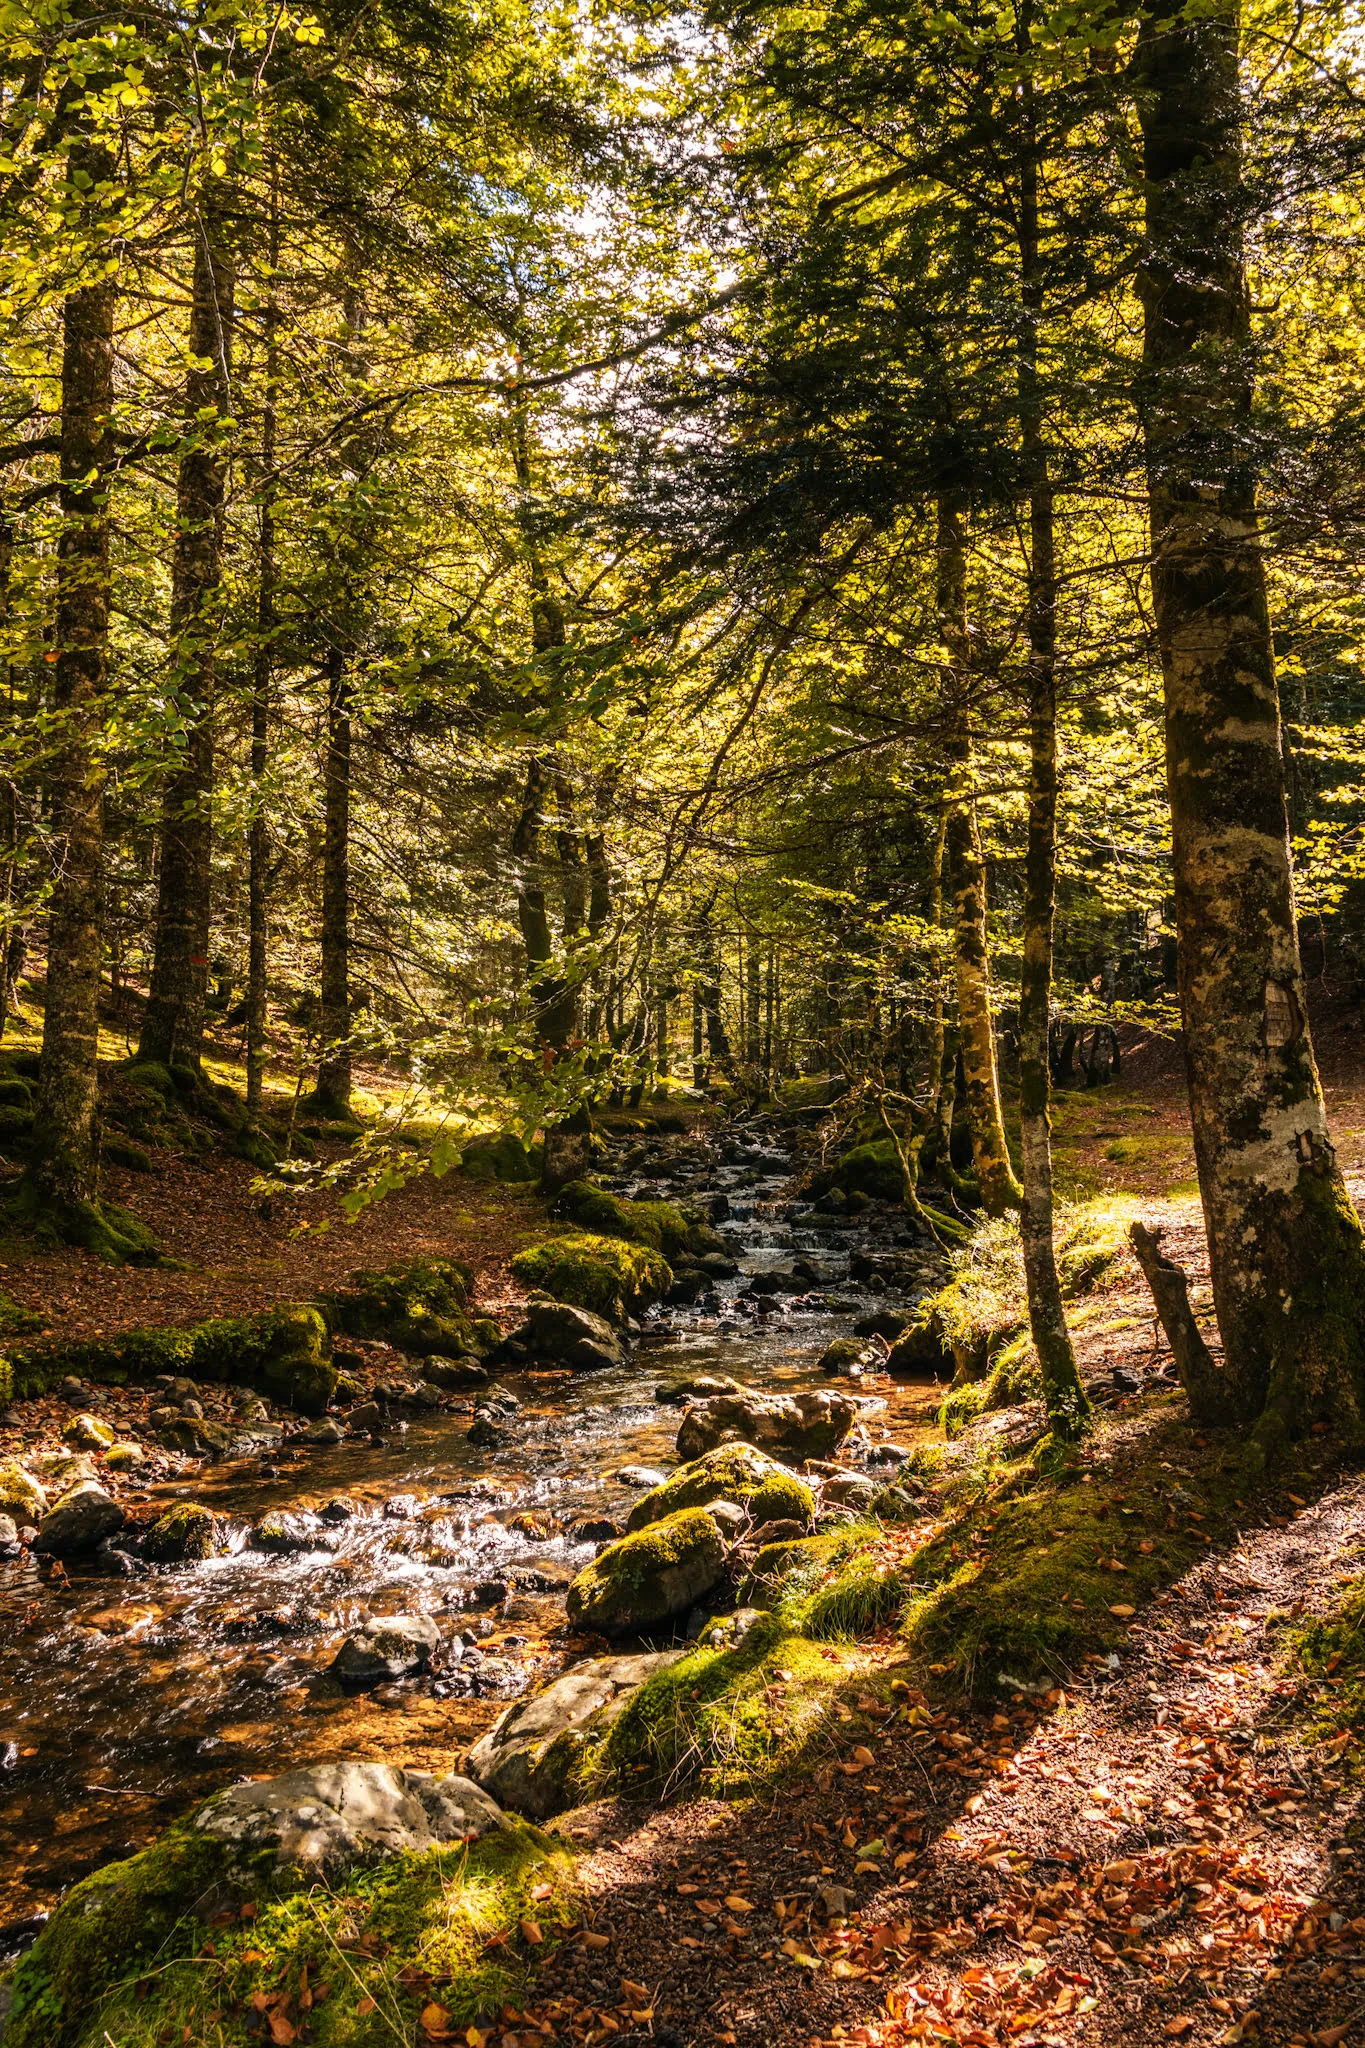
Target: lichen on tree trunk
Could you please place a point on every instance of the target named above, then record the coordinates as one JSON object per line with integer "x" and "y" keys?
{"x": 1286, "y": 1252}
{"x": 332, "y": 1096}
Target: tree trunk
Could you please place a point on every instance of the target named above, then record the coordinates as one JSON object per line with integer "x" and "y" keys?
{"x": 753, "y": 1050}
{"x": 999, "y": 1190}
{"x": 63, "y": 1169}
{"x": 173, "y": 1027}
{"x": 332, "y": 1097}
{"x": 698, "y": 1019}
{"x": 1065, "y": 1399}
{"x": 1285, "y": 1244}
{"x": 258, "y": 844}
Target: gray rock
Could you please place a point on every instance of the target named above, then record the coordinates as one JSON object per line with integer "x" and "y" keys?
{"x": 526, "y": 1757}
{"x": 79, "y": 1521}
{"x": 699, "y": 1388}
{"x": 422, "y": 1396}
{"x": 455, "y": 1375}
{"x": 386, "y": 1647}
{"x": 886, "y": 1323}
{"x": 643, "y": 1476}
{"x": 329, "y": 1817}
{"x": 850, "y": 1490}
{"x": 9, "y": 1536}
{"x": 285, "y": 1533}
{"x": 322, "y": 1434}
{"x": 365, "y": 1419}
{"x": 849, "y": 1357}
{"x": 888, "y": 1454}
{"x": 487, "y": 1432}
{"x": 730, "y": 1516}
{"x": 253, "y": 1409}
{"x": 807, "y": 1425}
{"x": 572, "y": 1336}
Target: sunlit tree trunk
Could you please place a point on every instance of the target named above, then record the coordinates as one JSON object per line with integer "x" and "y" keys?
{"x": 1063, "y": 1394}
{"x": 258, "y": 838}
{"x": 1285, "y": 1243}
{"x": 63, "y": 1158}
{"x": 173, "y": 1027}
{"x": 999, "y": 1190}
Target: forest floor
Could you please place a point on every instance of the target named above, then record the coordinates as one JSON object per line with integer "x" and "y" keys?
{"x": 1167, "y": 1850}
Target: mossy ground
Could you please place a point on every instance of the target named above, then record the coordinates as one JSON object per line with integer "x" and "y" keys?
{"x": 1329, "y": 1652}
{"x": 357, "y": 1963}
{"x": 283, "y": 1351}
{"x": 419, "y": 1307}
{"x": 608, "y": 1275}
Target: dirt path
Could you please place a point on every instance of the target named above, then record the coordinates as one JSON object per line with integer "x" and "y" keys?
{"x": 1160, "y": 1858}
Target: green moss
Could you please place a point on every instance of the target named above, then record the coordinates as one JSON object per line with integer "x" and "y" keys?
{"x": 860, "y": 1599}
{"x": 730, "y": 1472}
{"x": 608, "y": 1275}
{"x": 418, "y": 1307}
{"x": 505, "y": 1157}
{"x": 123, "y": 1152}
{"x": 16, "y": 1321}
{"x": 727, "y": 1720}
{"x": 784, "y": 1575}
{"x": 650, "y": 1576}
{"x": 187, "y": 1533}
{"x": 21, "y": 1497}
{"x": 1329, "y": 1653}
{"x": 870, "y": 1170}
{"x": 783, "y": 1498}
{"x": 1011, "y": 1377}
{"x": 104, "y": 1229}
{"x": 121, "y": 1957}
{"x": 284, "y": 1351}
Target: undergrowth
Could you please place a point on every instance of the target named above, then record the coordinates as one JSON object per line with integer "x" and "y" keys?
{"x": 1330, "y": 1653}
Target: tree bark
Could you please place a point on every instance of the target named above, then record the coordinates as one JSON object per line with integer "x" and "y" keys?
{"x": 332, "y": 1097}
{"x": 63, "y": 1169}
{"x": 258, "y": 845}
{"x": 1286, "y": 1253}
{"x": 998, "y": 1188}
{"x": 173, "y": 1027}
{"x": 1064, "y": 1397}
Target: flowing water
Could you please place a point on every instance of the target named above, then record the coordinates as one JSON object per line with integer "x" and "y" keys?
{"x": 123, "y": 1702}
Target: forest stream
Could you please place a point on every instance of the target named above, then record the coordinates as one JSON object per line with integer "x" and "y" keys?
{"x": 127, "y": 1702}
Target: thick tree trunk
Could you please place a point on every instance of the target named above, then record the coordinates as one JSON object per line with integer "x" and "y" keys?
{"x": 332, "y": 1096}
{"x": 173, "y": 1027}
{"x": 63, "y": 1169}
{"x": 1285, "y": 1244}
{"x": 1063, "y": 1395}
{"x": 999, "y": 1190}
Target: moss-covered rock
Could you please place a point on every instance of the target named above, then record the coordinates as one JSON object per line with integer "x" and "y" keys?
{"x": 22, "y": 1497}
{"x": 125, "y": 1457}
{"x": 675, "y": 1230}
{"x": 870, "y": 1170}
{"x": 651, "y": 1576}
{"x": 783, "y": 1498}
{"x": 608, "y": 1275}
{"x": 87, "y": 1433}
{"x": 437, "y": 1914}
{"x": 537, "y": 1755}
{"x": 186, "y": 1534}
{"x": 730, "y": 1472}
{"x": 505, "y": 1157}
{"x": 286, "y": 1352}
{"x": 418, "y": 1307}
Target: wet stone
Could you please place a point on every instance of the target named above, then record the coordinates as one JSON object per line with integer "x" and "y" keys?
{"x": 79, "y": 1521}
{"x": 385, "y": 1648}
{"x": 332, "y": 1816}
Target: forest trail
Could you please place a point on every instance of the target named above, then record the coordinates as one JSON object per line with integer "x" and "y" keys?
{"x": 1162, "y": 1857}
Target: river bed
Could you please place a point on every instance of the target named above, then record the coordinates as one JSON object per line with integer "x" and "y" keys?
{"x": 122, "y": 1703}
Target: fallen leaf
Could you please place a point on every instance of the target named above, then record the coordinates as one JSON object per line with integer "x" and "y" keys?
{"x": 541, "y": 1891}
{"x": 366, "y": 2007}
{"x": 1181, "y": 2024}
{"x": 637, "y": 1994}
{"x": 1123, "y": 1610}
{"x": 863, "y": 1756}
{"x": 530, "y": 1931}
{"x": 739, "y": 1905}
{"x": 591, "y": 1940}
{"x": 434, "y": 2017}
{"x": 281, "y": 2030}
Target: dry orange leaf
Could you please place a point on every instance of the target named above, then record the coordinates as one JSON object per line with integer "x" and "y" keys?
{"x": 434, "y": 2017}
{"x": 636, "y": 1994}
{"x": 530, "y": 1931}
{"x": 1123, "y": 1610}
{"x": 591, "y": 1940}
{"x": 1181, "y": 2024}
{"x": 366, "y": 2007}
{"x": 739, "y": 1905}
{"x": 281, "y": 2031}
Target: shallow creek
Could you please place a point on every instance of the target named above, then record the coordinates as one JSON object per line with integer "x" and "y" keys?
{"x": 123, "y": 1702}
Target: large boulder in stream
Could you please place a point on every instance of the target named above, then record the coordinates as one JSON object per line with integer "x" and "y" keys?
{"x": 605, "y": 1274}
{"x": 22, "y": 1497}
{"x": 186, "y": 1534}
{"x": 558, "y": 1332}
{"x": 651, "y": 1576}
{"x": 730, "y": 1472}
{"x": 327, "y": 1818}
{"x": 527, "y": 1759}
{"x": 79, "y": 1522}
{"x": 792, "y": 1426}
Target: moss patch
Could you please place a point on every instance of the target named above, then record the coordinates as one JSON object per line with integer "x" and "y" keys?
{"x": 286, "y": 1352}
{"x": 783, "y": 1498}
{"x": 505, "y": 1157}
{"x": 730, "y": 1472}
{"x": 419, "y": 1307}
{"x": 186, "y": 1533}
{"x": 608, "y": 1275}
{"x": 726, "y": 1720}
{"x": 1329, "y": 1653}
{"x": 650, "y": 1576}
{"x": 122, "y": 1955}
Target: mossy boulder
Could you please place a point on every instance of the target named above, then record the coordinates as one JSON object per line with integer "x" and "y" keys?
{"x": 792, "y": 1426}
{"x": 849, "y": 1358}
{"x": 730, "y": 1472}
{"x": 922, "y": 1350}
{"x": 870, "y": 1170}
{"x": 418, "y": 1307}
{"x": 125, "y": 1457}
{"x": 22, "y": 1497}
{"x": 783, "y": 1498}
{"x": 187, "y": 1534}
{"x": 197, "y": 1436}
{"x": 533, "y": 1758}
{"x": 431, "y": 1868}
{"x": 651, "y": 1576}
{"x": 675, "y": 1230}
{"x": 608, "y": 1275}
{"x": 505, "y": 1157}
{"x": 87, "y": 1433}
{"x": 285, "y": 1352}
